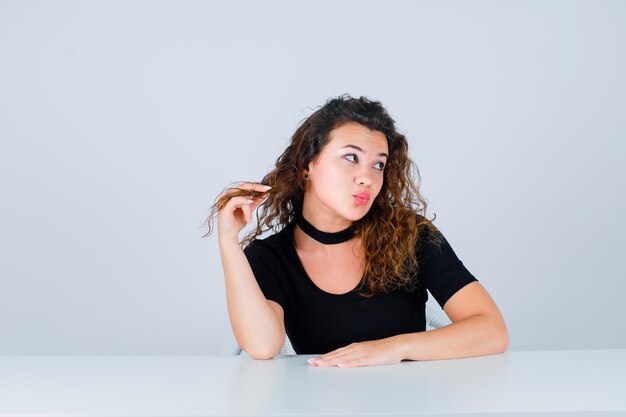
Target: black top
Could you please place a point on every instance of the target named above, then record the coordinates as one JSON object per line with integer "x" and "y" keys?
{"x": 318, "y": 322}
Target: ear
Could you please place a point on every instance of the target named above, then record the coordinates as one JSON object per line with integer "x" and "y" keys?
{"x": 307, "y": 170}
{"x": 311, "y": 166}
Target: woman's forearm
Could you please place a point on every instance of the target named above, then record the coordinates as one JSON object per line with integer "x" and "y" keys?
{"x": 254, "y": 322}
{"x": 474, "y": 336}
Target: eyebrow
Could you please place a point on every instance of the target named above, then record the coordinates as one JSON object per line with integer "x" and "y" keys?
{"x": 362, "y": 151}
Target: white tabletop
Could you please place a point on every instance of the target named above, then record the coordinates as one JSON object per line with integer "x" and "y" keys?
{"x": 575, "y": 382}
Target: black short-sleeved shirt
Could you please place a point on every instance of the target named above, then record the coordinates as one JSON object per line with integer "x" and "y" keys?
{"x": 318, "y": 322}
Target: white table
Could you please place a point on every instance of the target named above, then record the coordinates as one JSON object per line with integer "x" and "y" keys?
{"x": 573, "y": 383}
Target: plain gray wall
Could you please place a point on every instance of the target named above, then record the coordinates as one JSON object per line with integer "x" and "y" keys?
{"x": 120, "y": 122}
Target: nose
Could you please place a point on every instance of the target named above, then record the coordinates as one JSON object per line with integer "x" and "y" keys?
{"x": 364, "y": 178}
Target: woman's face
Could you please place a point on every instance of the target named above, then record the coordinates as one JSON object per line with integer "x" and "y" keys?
{"x": 348, "y": 170}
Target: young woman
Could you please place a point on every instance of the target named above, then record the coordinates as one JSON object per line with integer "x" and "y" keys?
{"x": 346, "y": 271}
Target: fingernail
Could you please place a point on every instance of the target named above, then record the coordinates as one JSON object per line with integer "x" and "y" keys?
{"x": 267, "y": 187}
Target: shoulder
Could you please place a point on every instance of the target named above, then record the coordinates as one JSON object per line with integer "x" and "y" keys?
{"x": 426, "y": 228}
{"x": 429, "y": 238}
{"x": 270, "y": 246}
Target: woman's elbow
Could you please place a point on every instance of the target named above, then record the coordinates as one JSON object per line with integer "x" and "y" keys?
{"x": 263, "y": 354}
{"x": 264, "y": 351}
{"x": 497, "y": 339}
{"x": 503, "y": 341}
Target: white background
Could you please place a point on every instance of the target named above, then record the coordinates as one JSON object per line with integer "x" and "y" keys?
{"x": 120, "y": 122}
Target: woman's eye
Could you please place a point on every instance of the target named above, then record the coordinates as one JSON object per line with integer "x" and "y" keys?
{"x": 351, "y": 154}
{"x": 382, "y": 165}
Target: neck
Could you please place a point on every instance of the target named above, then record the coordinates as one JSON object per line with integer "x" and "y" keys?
{"x": 323, "y": 236}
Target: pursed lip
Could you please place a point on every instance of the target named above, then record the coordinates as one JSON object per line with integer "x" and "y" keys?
{"x": 364, "y": 196}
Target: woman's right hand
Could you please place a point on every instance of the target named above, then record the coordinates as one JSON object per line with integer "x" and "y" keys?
{"x": 237, "y": 212}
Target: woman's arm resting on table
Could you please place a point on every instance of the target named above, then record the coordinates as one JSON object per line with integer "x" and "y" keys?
{"x": 477, "y": 329}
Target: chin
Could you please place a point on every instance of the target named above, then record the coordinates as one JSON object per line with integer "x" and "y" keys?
{"x": 357, "y": 213}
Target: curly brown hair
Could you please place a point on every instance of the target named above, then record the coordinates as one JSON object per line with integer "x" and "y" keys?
{"x": 393, "y": 228}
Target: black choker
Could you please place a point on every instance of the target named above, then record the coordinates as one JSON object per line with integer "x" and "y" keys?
{"x": 327, "y": 238}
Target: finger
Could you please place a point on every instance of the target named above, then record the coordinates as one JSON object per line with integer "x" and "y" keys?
{"x": 248, "y": 186}
{"x": 334, "y": 352}
{"x": 247, "y": 210}
{"x": 352, "y": 363}
{"x": 258, "y": 200}
{"x": 322, "y": 364}
{"x": 330, "y": 356}
{"x": 254, "y": 186}
{"x": 236, "y": 202}
{"x": 333, "y": 360}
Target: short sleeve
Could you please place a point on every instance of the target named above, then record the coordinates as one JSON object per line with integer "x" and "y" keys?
{"x": 441, "y": 271}
{"x": 262, "y": 262}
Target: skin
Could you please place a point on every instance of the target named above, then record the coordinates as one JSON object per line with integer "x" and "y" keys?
{"x": 339, "y": 172}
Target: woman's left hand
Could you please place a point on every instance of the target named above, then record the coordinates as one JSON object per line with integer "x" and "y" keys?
{"x": 375, "y": 352}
